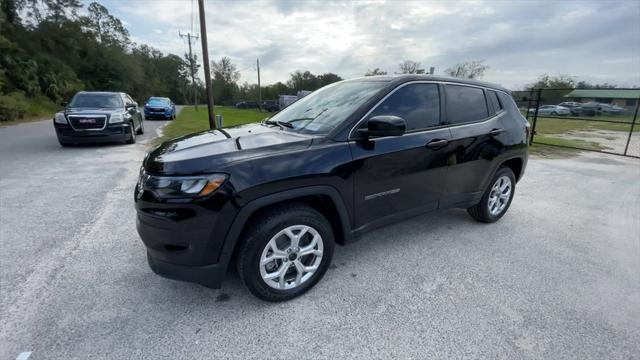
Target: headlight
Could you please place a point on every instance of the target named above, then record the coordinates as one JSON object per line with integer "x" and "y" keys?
{"x": 180, "y": 186}
{"x": 59, "y": 118}
{"x": 116, "y": 118}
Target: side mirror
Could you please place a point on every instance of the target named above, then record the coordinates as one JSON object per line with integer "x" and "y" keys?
{"x": 64, "y": 104}
{"x": 384, "y": 125}
{"x": 131, "y": 108}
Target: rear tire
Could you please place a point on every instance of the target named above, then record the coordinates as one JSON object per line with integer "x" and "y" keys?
{"x": 495, "y": 201}
{"x": 300, "y": 242}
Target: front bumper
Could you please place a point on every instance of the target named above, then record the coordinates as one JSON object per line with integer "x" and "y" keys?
{"x": 208, "y": 275}
{"x": 148, "y": 114}
{"x": 184, "y": 239}
{"x": 110, "y": 134}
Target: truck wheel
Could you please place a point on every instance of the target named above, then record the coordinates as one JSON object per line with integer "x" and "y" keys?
{"x": 132, "y": 134}
{"x": 497, "y": 198}
{"x": 285, "y": 252}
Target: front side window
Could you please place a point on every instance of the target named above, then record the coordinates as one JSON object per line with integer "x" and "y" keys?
{"x": 465, "y": 104}
{"x": 417, "y": 104}
{"x": 324, "y": 109}
{"x": 108, "y": 101}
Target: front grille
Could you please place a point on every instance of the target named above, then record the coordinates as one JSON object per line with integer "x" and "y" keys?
{"x": 87, "y": 122}
{"x": 157, "y": 110}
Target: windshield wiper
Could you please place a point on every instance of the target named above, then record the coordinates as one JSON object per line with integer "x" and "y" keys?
{"x": 301, "y": 119}
{"x": 278, "y": 123}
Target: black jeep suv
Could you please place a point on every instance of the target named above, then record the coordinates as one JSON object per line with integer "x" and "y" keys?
{"x": 98, "y": 117}
{"x": 355, "y": 155}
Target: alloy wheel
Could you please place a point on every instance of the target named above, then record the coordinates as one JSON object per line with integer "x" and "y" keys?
{"x": 500, "y": 195}
{"x": 291, "y": 257}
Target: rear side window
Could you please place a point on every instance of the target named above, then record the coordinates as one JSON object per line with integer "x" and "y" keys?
{"x": 465, "y": 104}
{"x": 417, "y": 104}
{"x": 508, "y": 103}
{"x": 496, "y": 106}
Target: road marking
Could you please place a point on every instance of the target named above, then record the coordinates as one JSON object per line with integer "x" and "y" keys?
{"x": 24, "y": 355}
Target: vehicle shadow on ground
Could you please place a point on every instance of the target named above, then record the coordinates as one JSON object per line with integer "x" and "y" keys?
{"x": 419, "y": 231}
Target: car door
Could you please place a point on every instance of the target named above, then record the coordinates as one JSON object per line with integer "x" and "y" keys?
{"x": 401, "y": 175}
{"x": 476, "y": 130}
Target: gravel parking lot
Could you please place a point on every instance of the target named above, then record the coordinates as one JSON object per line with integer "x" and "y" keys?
{"x": 558, "y": 277}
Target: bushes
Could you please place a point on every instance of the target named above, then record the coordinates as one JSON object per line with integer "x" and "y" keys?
{"x": 13, "y": 106}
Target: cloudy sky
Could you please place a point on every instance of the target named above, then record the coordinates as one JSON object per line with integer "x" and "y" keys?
{"x": 597, "y": 41}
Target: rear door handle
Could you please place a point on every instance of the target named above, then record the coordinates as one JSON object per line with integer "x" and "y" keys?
{"x": 436, "y": 144}
{"x": 496, "y": 132}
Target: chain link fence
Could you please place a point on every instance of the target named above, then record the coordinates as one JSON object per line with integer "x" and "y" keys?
{"x": 603, "y": 120}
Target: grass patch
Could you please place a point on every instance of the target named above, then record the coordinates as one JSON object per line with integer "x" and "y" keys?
{"x": 572, "y": 143}
{"x": 553, "y": 147}
{"x": 558, "y": 126}
{"x": 33, "y": 109}
{"x": 190, "y": 121}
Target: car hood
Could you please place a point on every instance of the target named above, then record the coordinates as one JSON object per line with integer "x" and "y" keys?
{"x": 91, "y": 111}
{"x": 210, "y": 151}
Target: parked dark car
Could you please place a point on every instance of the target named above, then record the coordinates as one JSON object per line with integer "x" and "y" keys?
{"x": 271, "y": 105}
{"x": 247, "y": 105}
{"x": 349, "y": 158}
{"x": 98, "y": 117}
{"x": 159, "y": 108}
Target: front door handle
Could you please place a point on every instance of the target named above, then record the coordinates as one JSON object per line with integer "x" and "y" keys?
{"x": 496, "y": 132}
{"x": 437, "y": 144}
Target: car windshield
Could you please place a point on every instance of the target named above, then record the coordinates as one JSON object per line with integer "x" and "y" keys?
{"x": 322, "y": 110}
{"x": 96, "y": 101}
{"x": 158, "y": 101}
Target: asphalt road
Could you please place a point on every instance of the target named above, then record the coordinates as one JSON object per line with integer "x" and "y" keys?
{"x": 558, "y": 277}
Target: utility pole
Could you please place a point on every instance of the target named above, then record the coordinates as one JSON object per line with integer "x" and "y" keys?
{"x": 259, "y": 88}
{"x": 192, "y": 66}
{"x": 207, "y": 71}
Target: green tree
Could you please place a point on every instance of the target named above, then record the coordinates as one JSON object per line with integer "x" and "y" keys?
{"x": 225, "y": 81}
{"x": 106, "y": 28}
{"x": 327, "y": 78}
{"x": 561, "y": 81}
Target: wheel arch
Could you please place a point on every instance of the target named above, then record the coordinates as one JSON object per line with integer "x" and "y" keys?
{"x": 516, "y": 165}
{"x": 325, "y": 199}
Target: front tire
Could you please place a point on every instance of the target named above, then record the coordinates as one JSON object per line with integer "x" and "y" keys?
{"x": 141, "y": 128}
{"x": 497, "y": 198}
{"x": 132, "y": 134}
{"x": 285, "y": 252}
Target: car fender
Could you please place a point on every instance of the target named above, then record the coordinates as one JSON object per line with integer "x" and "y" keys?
{"x": 239, "y": 222}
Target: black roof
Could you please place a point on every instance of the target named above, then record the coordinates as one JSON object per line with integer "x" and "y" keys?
{"x": 402, "y": 78}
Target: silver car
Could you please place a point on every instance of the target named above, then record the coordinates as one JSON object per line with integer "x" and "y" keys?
{"x": 553, "y": 110}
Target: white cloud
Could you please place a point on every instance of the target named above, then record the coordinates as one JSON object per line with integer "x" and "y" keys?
{"x": 519, "y": 40}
